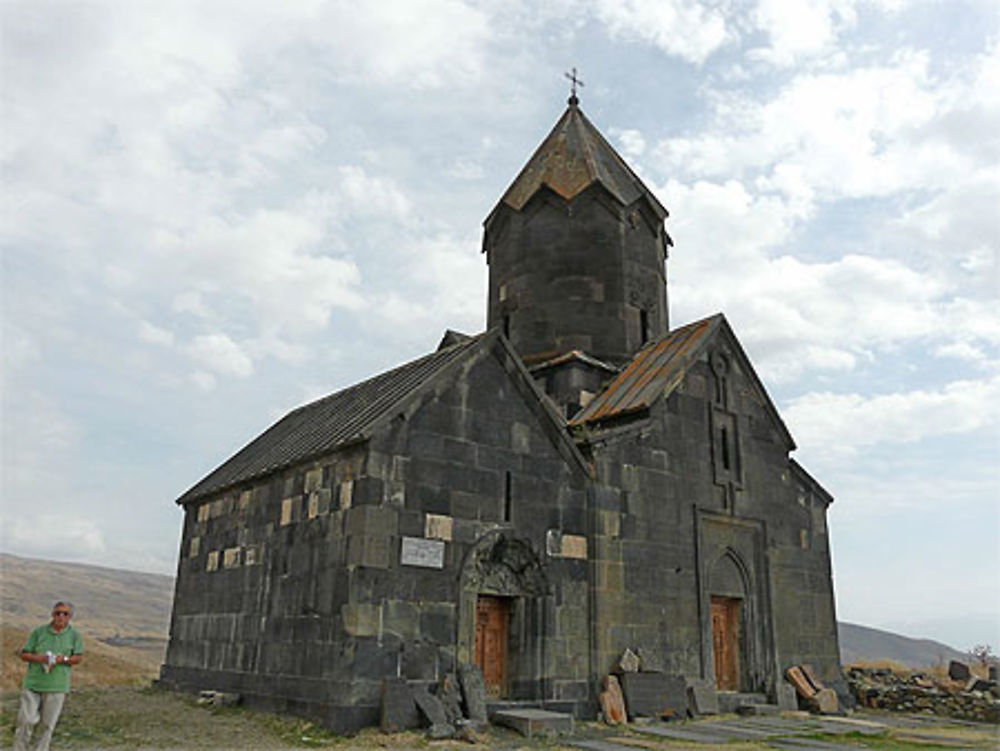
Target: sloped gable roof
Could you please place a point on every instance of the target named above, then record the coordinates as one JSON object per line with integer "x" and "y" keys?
{"x": 656, "y": 370}
{"x": 354, "y": 413}
{"x": 325, "y": 424}
{"x": 572, "y": 157}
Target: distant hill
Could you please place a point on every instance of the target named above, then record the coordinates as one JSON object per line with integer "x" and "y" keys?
{"x": 124, "y": 617}
{"x": 864, "y": 644}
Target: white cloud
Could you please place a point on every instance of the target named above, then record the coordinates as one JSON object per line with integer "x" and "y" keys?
{"x": 685, "y": 28}
{"x": 841, "y": 424}
{"x": 630, "y": 141}
{"x": 800, "y": 29}
{"x": 154, "y": 334}
{"x": 221, "y": 354}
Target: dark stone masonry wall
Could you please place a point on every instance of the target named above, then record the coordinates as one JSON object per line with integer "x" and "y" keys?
{"x": 584, "y": 274}
{"x": 676, "y": 525}
{"x": 293, "y": 591}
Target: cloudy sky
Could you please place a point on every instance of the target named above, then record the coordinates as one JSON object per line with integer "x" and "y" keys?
{"x": 214, "y": 212}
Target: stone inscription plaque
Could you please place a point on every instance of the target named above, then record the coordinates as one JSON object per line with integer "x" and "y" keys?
{"x": 416, "y": 551}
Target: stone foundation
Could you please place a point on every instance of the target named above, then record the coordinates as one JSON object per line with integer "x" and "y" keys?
{"x": 881, "y": 688}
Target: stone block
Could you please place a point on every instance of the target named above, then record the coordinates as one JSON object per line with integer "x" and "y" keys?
{"x": 439, "y": 527}
{"x": 825, "y": 701}
{"x": 628, "y": 662}
{"x": 959, "y": 671}
{"x": 702, "y": 698}
{"x": 431, "y": 707}
{"x": 360, "y": 619}
{"x": 797, "y": 678}
{"x": 531, "y": 722}
{"x": 368, "y": 551}
{"x": 613, "y": 702}
{"x": 313, "y": 480}
{"x": 787, "y": 697}
{"x": 398, "y": 709}
{"x": 473, "y": 691}
{"x": 654, "y": 694}
{"x": 371, "y": 520}
{"x": 810, "y": 674}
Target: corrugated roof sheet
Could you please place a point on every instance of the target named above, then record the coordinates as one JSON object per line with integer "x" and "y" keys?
{"x": 572, "y": 157}
{"x": 321, "y": 426}
{"x": 653, "y": 370}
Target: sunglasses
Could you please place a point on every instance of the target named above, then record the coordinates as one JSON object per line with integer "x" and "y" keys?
{"x": 61, "y": 612}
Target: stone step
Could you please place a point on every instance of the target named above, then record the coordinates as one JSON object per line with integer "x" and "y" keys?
{"x": 529, "y": 722}
{"x": 730, "y": 700}
{"x": 758, "y": 710}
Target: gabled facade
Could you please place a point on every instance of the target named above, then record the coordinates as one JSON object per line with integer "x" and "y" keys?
{"x": 575, "y": 481}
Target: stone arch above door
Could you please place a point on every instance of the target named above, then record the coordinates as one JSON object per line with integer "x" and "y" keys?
{"x": 504, "y": 566}
{"x": 728, "y": 576}
{"x": 501, "y": 564}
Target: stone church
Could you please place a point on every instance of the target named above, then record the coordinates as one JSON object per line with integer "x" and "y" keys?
{"x": 579, "y": 479}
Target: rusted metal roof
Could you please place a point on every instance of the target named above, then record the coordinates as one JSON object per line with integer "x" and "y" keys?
{"x": 328, "y": 423}
{"x": 654, "y": 370}
{"x": 571, "y": 158}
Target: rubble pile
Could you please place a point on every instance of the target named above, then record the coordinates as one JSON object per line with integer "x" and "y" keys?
{"x": 970, "y": 699}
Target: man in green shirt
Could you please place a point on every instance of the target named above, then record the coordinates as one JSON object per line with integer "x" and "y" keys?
{"x": 51, "y": 651}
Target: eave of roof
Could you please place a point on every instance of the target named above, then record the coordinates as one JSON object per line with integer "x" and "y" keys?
{"x": 330, "y": 423}
{"x": 570, "y": 356}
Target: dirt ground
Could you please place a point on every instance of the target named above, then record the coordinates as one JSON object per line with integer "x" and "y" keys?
{"x": 151, "y": 718}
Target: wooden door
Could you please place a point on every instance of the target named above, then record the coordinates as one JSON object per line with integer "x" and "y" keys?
{"x": 492, "y": 631}
{"x": 726, "y": 642}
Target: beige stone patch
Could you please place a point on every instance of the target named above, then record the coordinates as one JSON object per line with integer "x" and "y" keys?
{"x": 314, "y": 479}
{"x": 212, "y": 564}
{"x": 252, "y": 556}
{"x": 231, "y": 558}
{"x": 574, "y": 546}
{"x": 346, "y": 493}
{"x": 194, "y": 546}
{"x": 289, "y": 506}
{"x": 203, "y": 511}
{"x": 439, "y": 527}
{"x": 313, "y": 505}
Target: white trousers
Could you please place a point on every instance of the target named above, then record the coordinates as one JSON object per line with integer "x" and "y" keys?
{"x": 41, "y": 709}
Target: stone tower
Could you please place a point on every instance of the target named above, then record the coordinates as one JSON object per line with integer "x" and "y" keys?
{"x": 576, "y": 249}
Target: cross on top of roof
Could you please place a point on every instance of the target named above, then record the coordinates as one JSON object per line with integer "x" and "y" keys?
{"x": 576, "y": 82}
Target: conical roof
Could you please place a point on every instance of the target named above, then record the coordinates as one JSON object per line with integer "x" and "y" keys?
{"x": 573, "y": 157}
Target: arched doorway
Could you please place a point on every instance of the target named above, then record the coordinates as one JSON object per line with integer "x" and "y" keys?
{"x": 730, "y": 616}
{"x": 503, "y": 615}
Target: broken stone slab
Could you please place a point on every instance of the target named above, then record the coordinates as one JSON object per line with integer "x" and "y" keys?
{"x": 787, "y": 697}
{"x": 810, "y": 674}
{"x": 959, "y": 671}
{"x": 824, "y": 701}
{"x": 398, "y": 709}
{"x": 654, "y": 695}
{"x": 432, "y": 709}
{"x": 474, "y": 691}
{"x": 629, "y": 662}
{"x": 702, "y": 698}
{"x": 797, "y": 678}
{"x": 451, "y": 697}
{"x": 531, "y": 722}
{"x": 613, "y": 702}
